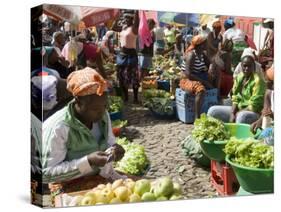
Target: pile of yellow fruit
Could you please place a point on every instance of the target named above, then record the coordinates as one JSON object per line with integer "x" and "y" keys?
{"x": 127, "y": 190}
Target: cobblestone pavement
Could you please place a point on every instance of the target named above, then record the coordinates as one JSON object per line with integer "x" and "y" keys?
{"x": 162, "y": 142}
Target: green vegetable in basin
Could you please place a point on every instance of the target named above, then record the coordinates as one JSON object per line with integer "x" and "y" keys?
{"x": 250, "y": 153}
{"x": 210, "y": 129}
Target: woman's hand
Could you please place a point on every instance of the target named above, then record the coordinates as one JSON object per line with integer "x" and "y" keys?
{"x": 256, "y": 125}
{"x": 118, "y": 152}
{"x": 232, "y": 118}
{"x": 97, "y": 158}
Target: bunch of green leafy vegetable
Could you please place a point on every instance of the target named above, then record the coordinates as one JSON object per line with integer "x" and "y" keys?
{"x": 115, "y": 104}
{"x": 151, "y": 93}
{"x": 250, "y": 153}
{"x": 162, "y": 106}
{"x": 210, "y": 129}
{"x": 134, "y": 161}
{"x": 119, "y": 123}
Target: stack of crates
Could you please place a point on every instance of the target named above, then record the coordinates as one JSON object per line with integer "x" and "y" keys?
{"x": 185, "y": 104}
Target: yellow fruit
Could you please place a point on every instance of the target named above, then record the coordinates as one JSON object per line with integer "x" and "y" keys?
{"x": 79, "y": 199}
{"x": 134, "y": 198}
{"x": 130, "y": 185}
{"x": 117, "y": 183}
{"x": 88, "y": 199}
{"x": 101, "y": 186}
{"x": 108, "y": 186}
{"x": 108, "y": 193}
{"x": 101, "y": 198}
{"x": 115, "y": 201}
{"x": 122, "y": 193}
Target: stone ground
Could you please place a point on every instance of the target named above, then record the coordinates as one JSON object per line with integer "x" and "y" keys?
{"x": 162, "y": 142}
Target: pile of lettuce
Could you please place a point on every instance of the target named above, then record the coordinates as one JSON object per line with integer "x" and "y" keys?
{"x": 135, "y": 161}
{"x": 250, "y": 153}
{"x": 115, "y": 104}
{"x": 152, "y": 93}
{"x": 119, "y": 123}
{"x": 209, "y": 128}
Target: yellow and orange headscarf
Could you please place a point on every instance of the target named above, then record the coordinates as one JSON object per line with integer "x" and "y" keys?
{"x": 196, "y": 40}
{"x": 86, "y": 82}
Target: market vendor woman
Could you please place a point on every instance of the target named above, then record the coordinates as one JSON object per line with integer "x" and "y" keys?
{"x": 76, "y": 137}
{"x": 247, "y": 96}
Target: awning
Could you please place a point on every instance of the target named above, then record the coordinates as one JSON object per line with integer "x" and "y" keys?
{"x": 91, "y": 16}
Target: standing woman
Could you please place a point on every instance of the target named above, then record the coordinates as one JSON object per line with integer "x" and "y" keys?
{"x": 214, "y": 39}
{"x": 238, "y": 38}
{"x": 127, "y": 59}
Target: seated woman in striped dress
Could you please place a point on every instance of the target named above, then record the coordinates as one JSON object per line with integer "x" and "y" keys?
{"x": 195, "y": 67}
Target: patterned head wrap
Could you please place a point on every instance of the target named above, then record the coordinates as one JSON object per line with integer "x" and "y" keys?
{"x": 86, "y": 82}
{"x": 196, "y": 40}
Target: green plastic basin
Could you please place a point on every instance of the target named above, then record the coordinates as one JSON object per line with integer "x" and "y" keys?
{"x": 214, "y": 150}
{"x": 253, "y": 180}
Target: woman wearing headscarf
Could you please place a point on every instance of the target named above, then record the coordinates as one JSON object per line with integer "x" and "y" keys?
{"x": 251, "y": 53}
{"x": 220, "y": 69}
{"x": 238, "y": 38}
{"x": 127, "y": 58}
{"x": 247, "y": 96}
{"x": 214, "y": 39}
{"x": 76, "y": 137}
{"x": 195, "y": 67}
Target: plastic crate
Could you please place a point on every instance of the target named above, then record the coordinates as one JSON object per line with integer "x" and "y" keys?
{"x": 164, "y": 85}
{"x": 185, "y": 104}
{"x": 223, "y": 179}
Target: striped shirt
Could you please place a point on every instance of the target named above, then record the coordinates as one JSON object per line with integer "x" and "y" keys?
{"x": 199, "y": 65}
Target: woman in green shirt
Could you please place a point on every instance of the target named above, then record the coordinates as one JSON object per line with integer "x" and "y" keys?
{"x": 247, "y": 96}
{"x": 76, "y": 137}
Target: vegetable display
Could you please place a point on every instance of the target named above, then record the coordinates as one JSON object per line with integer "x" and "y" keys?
{"x": 134, "y": 161}
{"x": 115, "y": 104}
{"x": 151, "y": 93}
{"x": 209, "y": 128}
{"x": 250, "y": 153}
{"x": 127, "y": 190}
{"x": 162, "y": 106}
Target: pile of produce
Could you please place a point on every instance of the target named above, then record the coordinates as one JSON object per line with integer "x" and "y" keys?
{"x": 151, "y": 93}
{"x": 135, "y": 161}
{"x": 115, "y": 104}
{"x": 250, "y": 153}
{"x": 125, "y": 191}
{"x": 209, "y": 128}
{"x": 119, "y": 123}
{"x": 161, "y": 106}
{"x": 148, "y": 83}
{"x": 165, "y": 68}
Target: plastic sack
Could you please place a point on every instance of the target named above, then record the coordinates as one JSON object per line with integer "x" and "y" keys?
{"x": 144, "y": 32}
